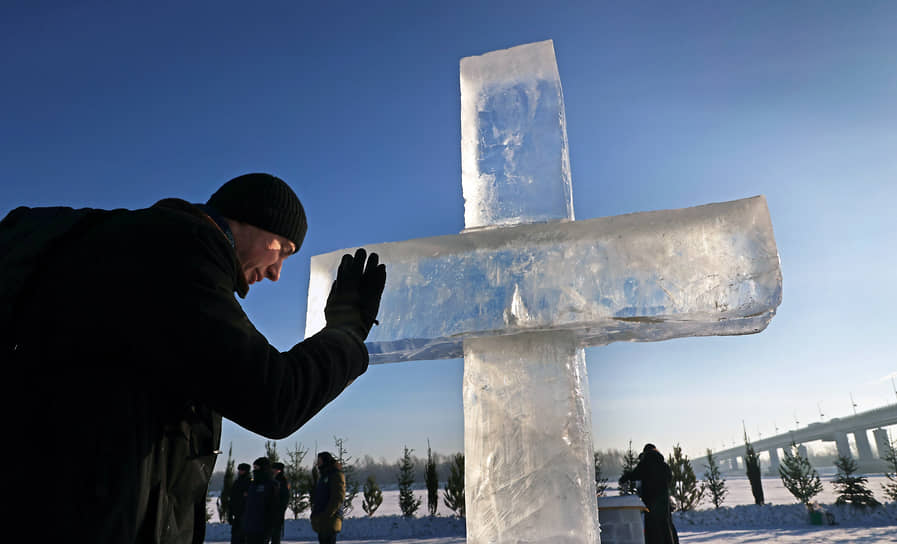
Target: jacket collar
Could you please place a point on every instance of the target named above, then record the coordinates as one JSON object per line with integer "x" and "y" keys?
{"x": 204, "y": 212}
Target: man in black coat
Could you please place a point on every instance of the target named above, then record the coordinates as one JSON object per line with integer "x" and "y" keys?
{"x": 655, "y": 475}
{"x": 128, "y": 346}
{"x": 262, "y": 504}
{"x": 237, "y": 503}
{"x": 283, "y": 491}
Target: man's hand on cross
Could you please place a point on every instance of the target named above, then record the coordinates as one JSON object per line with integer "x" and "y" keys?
{"x": 355, "y": 295}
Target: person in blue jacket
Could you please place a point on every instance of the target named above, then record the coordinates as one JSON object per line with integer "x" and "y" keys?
{"x": 237, "y": 505}
{"x": 262, "y": 504}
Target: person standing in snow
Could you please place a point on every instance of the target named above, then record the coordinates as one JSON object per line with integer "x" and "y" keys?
{"x": 327, "y": 498}
{"x": 123, "y": 332}
{"x": 283, "y": 500}
{"x": 655, "y": 476}
{"x": 262, "y": 504}
{"x": 237, "y": 503}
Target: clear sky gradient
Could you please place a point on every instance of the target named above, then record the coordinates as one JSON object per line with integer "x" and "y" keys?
{"x": 356, "y": 105}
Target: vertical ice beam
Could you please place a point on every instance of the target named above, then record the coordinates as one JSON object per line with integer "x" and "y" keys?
{"x": 528, "y": 475}
{"x": 527, "y": 421}
{"x": 515, "y": 165}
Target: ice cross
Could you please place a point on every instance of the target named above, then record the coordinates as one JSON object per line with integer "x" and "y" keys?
{"x": 524, "y": 288}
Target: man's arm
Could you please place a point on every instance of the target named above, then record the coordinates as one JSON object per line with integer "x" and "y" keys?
{"x": 205, "y": 348}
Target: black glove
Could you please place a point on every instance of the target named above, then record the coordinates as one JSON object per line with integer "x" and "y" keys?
{"x": 355, "y": 296}
{"x": 372, "y": 283}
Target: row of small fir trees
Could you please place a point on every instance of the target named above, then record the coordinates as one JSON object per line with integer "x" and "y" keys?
{"x": 302, "y": 482}
{"x": 686, "y": 492}
{"x": 797, "y": 475}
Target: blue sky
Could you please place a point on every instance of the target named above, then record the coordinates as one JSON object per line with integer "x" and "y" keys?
{"x": 356, "y": 105}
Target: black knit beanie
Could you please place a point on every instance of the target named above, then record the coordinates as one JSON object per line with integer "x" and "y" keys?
{"x": 264, "y": 201}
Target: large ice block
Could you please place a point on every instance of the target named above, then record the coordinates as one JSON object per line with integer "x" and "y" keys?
{"x": 515, "y": 165}
{"x": 527, "y": 441}
{"x": 706, "y": 270}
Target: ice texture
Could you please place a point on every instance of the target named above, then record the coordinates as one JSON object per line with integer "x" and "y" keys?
{"x": 527, "y": 442}
{"x": 524, "y": 288}
{"x": 707, "y": 270}
{"x": 515, "y": 165}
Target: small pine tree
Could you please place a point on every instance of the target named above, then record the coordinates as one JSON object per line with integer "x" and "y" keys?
{"x": 685, "y": 492}
{"x": 271, "y": 451}
{"x": 372, "y": 496}
{"x": 798, "y": 476}
{"x": 890, "y": 487}
{"x": 453, "y": 497}
{"x": 352, "y": 484}
{"x": 224, "y": 498}
{"x": 752, "y": 466}
{"x": 600, "y": 480}
{"x": 851, "y": 489}
{"x": 432, "y": 479}
{"x": 407, "y": 501}
{"x": 300, "y": 481}
{"x": 714, "y": 482}
{"x": 630, "y": 461}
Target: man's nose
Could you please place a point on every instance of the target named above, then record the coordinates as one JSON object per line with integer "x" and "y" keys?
{"x": 273, "y": 271}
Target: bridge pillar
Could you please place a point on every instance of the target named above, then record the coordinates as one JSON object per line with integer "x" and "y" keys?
{"x": 842, "y": 444}
{"x": 881, "y": 442}
{"x": 802, "y": 450}
{"x": 773, "y": 460}
{"x": 863, "y": 448}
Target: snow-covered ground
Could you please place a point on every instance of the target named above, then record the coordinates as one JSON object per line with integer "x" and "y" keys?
{"x": 738, "y": 522}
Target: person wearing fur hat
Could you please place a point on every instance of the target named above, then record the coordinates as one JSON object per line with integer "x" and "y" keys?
{"x": 123, "y": 330}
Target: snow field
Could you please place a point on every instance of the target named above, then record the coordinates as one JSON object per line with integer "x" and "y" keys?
{"x": 739, "y": 520}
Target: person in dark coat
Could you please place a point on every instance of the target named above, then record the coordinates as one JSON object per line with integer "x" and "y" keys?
{"x": 262, "y": 504}
{"x": 655, "y": 476}
{"x": 237, "y": 503}
{"x": 327, "y": 498}
{"x": 283, "y": 500}
{"x": 129, "y": 346}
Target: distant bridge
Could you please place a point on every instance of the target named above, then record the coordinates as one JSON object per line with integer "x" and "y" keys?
{"x": 835, "y": 430}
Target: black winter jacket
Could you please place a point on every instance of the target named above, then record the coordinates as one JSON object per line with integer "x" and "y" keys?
{"x": 238, "y": 492}
{"x": 128, "y": 347}
{"x": 260, "y": 518}
{"x": 283, "y": 490}
{"x": 654, "y": 474}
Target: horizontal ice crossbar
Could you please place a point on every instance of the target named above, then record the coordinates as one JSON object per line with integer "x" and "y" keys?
{"x": 706, "y": 270}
